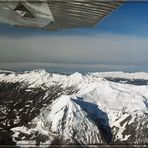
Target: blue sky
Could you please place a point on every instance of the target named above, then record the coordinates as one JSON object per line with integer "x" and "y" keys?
{"x": 129, "y": 19}
{"x": 120, "y": 39}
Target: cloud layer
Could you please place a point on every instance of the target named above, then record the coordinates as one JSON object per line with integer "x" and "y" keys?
{"x": 103, "y": 48}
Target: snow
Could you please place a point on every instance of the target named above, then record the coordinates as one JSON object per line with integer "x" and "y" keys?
{"x": 66, "y": 117}
{"x": 92, "y": 87}
{"x": 69, "y": 115}
{"x": 6, "y": 71}
{"x": 137, "y": 75}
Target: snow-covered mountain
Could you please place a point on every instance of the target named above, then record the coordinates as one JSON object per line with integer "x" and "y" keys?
{"x": 40, "y": 108}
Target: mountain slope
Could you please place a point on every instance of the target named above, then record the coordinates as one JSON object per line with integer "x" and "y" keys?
{"x": 95, "y": 108}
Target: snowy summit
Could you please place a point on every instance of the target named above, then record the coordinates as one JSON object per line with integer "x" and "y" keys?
{"x": 43, "y": 108}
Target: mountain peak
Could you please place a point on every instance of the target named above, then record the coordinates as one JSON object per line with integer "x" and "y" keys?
{"x": 98, "y": 108}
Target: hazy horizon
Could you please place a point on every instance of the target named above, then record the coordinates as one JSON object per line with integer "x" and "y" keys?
{"x": 71, "y": 68}
{"x": 118, "y": 43}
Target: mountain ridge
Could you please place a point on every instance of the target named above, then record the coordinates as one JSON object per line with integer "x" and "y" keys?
{"x": 76, "y": 109}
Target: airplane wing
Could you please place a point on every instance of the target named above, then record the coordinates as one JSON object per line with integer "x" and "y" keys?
{"x": 55, "y": 14}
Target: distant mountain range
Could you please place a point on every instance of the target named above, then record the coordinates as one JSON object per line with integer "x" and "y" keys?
{"x": 45, "y": 109}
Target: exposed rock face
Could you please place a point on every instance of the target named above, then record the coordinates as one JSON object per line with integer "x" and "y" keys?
{"x": 39, "y": 108}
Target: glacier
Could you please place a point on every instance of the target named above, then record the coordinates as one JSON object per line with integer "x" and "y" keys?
{"x": 45, "y": 109}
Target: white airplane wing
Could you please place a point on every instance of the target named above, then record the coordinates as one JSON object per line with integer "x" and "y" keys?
{"x": 55, "y": 14}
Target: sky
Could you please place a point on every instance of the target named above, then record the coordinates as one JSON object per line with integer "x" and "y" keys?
{"x": 118, "y": 42}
